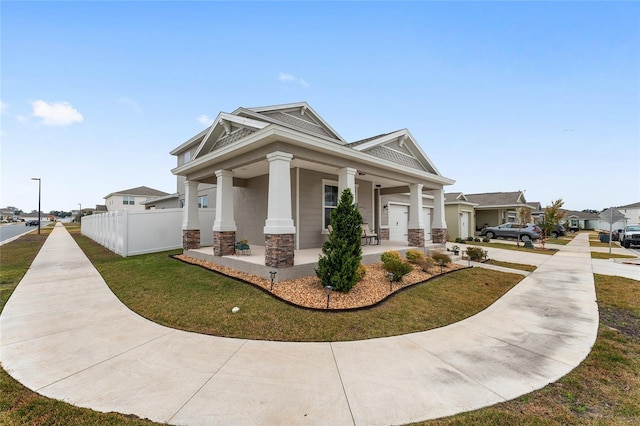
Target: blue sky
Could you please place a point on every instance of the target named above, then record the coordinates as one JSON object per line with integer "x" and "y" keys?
{"x": 537, "y": 96}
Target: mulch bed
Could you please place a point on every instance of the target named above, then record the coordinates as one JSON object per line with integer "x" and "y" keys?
{"x": 308, "y": 291}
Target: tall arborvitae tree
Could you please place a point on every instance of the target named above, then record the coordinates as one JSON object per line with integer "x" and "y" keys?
{"x": 342, "y": 253}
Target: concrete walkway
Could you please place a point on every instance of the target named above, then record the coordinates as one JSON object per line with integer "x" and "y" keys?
{"x": 66, "y": 336}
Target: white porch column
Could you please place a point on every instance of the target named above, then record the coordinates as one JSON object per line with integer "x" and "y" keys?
{"x": 416, "y": 214}
{"x": 279, "y": 220}
{"x": 190, "y": 217}
{"x": 347, "y": 179}
{"x": 439, "y": 224}
{"x": 225, "y": 220}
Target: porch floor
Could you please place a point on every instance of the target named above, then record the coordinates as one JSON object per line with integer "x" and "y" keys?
{"x": 305, "y": 260}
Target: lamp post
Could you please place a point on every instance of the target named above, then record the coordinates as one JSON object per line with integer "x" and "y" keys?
{"x": 80, "y": 213}
{"x": 39, "y": 198}
{"x": 328, "y": 288}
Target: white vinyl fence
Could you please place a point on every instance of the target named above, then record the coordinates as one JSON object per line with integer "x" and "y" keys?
{"x": 128, "y": 233}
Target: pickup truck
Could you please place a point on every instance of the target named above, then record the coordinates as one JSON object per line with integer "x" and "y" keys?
{"x": 629, "y": 236}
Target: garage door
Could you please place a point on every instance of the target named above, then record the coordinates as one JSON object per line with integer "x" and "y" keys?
{"x": 398, "y": 222}
{"x": 427, "y": 223}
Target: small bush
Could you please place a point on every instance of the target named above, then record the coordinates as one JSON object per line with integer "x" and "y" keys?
{"x": 486, "y": 240}
{"x": 469, "y": 238}
{"x": 426, "y": 263}
{"x": 398, "y": 268}
{"x": 459, "y": 240}
{"x": 437, "y": 257}
{"x": 388, "y": 256}
{"x": 477, "y": 240}
{"x": 475, "y": 253}
{"x": 414, "y": 256}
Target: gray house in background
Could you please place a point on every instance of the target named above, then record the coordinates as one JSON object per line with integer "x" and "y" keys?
{"x": 132, "y": 199}
{"x": 496, "y": 208}
{"x": 275, "y": 173}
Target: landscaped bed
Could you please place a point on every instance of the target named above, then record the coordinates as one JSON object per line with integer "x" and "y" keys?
{"x": 308, "y": 291}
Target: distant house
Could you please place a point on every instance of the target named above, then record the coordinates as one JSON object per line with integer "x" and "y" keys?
{"x": 538, "y": 211}
{"x": 131, "y": 199}
{"x": 170, "y": 201}
{"x": 460, "y": 215}
{"x": 631, "y": 212}
{"x": 496, "y": 208}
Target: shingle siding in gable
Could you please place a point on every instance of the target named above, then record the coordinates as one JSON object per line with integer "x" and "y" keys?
{"x": 232, "y": 137}
{"x": 395, "y": 156}
{"x": 298, "y": 122}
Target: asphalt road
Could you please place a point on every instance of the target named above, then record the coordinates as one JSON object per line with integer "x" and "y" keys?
{"x": 10, "y": 230}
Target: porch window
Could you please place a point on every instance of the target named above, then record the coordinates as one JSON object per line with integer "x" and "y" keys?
{"x": 331, "y": 197}
{"x": 128, "y": 200}
{"x": 203, "y": 202}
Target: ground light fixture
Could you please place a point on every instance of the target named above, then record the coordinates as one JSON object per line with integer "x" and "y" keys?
{"x": 328, "y": 288}
{"x": 390, "y": 277}
{"x": 39, "y": 198}
{"x": 272, "y": 274}
{"x": 441, "y": 263}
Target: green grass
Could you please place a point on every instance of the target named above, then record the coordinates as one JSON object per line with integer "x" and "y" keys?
{"x": 599, "y": 255}
{"x": 506, "y": 246}
{"x": 614, "y": 244}
{"x": 191, "y": 298}
{"x": 520, "y": 266}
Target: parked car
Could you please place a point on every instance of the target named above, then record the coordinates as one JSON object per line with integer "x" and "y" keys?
{"x": 558, "y": 232}
{"x": 629, "y": 236}
{"x": 31, "y": 223}
{"x": 513, "y": 230}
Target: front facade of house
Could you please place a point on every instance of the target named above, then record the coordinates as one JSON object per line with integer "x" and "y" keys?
{"x": 274, "y": 174}
{"x": 131, "y": 199}
{"x": 460, "y": 215}
{"x": 631, "y": 212}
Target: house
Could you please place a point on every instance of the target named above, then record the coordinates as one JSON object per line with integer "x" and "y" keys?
{"x": 170, "y": 201}
{"x": 275, "y": 173}
{"x": 496, "y": 208}
{"x": 631, "y": 212}
{"x": 131, "y": 199}
{"x": 537, "y": 212}
{"x": 460, "y": 215}
{"x": 575, "y": 220}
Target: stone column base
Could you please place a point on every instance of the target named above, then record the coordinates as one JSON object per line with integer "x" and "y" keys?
{"x": 384, "y": 234}
{"x": 278, "y": 250}
{"x": 416, "y": 237}
{"x": 439, "y": 235}
{"x": 224, "y": 243}
{"x": 190, "y": 239}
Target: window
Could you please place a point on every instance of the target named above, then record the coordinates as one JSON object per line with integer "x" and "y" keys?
{"x": 128, "y": 200}
{"x": 330, "y": 202}
{"x": 203, "y": 202}
{"x": 187, "y": 157}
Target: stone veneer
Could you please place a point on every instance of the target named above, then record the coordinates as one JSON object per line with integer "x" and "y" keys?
{"x": 190, "y": 239}
{"x": 416, "y": 237}
{"x": 278, "y": 250}
{"x": 224, "y": 243}
{"x": 439, "y": 235}
{"x": 383, "y": 233}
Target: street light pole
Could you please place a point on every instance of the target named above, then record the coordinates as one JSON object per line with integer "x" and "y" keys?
{"x": 80, "y": 213}
{"x": 39, "y": 198}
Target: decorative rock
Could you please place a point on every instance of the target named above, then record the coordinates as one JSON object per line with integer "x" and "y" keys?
{"x": 235, "y": 309}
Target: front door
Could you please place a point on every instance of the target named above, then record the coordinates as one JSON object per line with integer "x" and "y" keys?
{"x": 398, "y": 222}
{"x": 464, "y": 225}
{"x": 426, "y": 215}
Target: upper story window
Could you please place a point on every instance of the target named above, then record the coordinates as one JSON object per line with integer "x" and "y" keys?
{"x": 186, "y": 157}
{"x": 128, "y": 200}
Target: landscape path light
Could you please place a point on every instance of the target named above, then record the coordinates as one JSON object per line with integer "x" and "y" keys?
{"x": 441, "y": 263}
{"x": 390, "y": 277}
{"x": 328, "y": 288}
{"x": 272, "y": 274}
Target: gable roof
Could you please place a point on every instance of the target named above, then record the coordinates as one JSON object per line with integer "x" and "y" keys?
{"x": 630, "y": 206}
{"x": 498, "y": 199}
{"x": 579, "y": 215}
{"x": 140, "y": 191}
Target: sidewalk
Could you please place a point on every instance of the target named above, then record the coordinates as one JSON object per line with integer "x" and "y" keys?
{"x": 66, "y": 336}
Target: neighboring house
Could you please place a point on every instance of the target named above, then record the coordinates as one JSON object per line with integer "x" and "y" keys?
{"x": 538, "y": 211}
{"x": 496, "y": 208}
{"x": 631, "y": 212}
{"x": 274, "y": 174}
{"x": 460, "y": 215}
{"x": 100, "y": 208}
{"x": 171, "y": 201}
{"x": 575, "y": 220}
{"x": 131, "y": 199}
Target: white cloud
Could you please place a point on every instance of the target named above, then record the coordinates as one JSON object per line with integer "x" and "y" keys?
{"x": 56, "y": 113}
{"x": 204, "y": 119}
{"x": 284, "y": 77}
